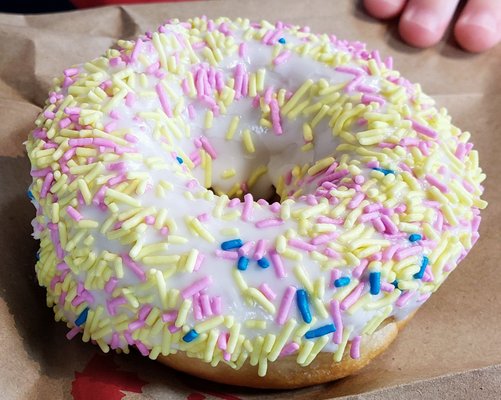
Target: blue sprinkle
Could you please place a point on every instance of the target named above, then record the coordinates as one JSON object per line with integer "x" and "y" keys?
{"x": 384, "y": 171}
{"x": 415, "y": 237}
{"x": 82, "y": 317}
{"x": 323, "y": 330}
{"x": 190, "y": 336}
{"x": 344, "y": 281}
{"x": 424, "y": 264}
{"x": 243, "y": 263}
{"x": 263, "y": 262}
{"x": 395, "y": 283}
{"x": 375, "y": 282}
{"x": 302, "y": 304}
{"x": 281, "y": 40}
{"x": 179, "y": 160}
{"x": 232, "y": 244}
{"x": 30, "y": 195}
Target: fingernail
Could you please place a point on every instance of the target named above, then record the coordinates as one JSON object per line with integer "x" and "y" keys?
{"x": 424, "y": 18}
{"x": 482, "y": 20}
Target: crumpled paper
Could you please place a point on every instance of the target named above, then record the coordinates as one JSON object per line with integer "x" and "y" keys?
{"x": 451, "y": 349}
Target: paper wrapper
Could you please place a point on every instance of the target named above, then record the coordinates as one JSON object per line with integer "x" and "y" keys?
{"x": 451, "y": 349}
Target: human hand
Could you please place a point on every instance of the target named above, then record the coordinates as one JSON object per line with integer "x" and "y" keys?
{"x": 423, "y": 22}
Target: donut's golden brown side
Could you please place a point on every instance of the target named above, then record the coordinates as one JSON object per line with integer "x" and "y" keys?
{"x": 286, "y": 373}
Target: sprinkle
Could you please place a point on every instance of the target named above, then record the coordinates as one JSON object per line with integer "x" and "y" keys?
{"x": 375, "y": 282}
{"x": 269, "y": 222}
{"x": 134, "y": 267}
{"x": 424, "y": 130}
{"x": 422, "y": 269}
{"x": 196, "y": 287}
{"x": 267, "y": 291}
{"x": 285, "y": 305}
{"x": 352, "y": 297}
{"x": 415, "y": 237}
{"x": 278, "y": 265}
{"x": 190, "y": 336}
{"x": 343, "y": 281}
{"x": 322, "y": 331}
{"x": 281, "y": 40}
{"x": 263, "y": 262}
{"x": 179, "y": 160}
{"x": 82, "y": 317}
{"x": 355, "y": 347}
{"x": 303, "y": 305}
{"x": 232, "y": 244}
{"x": 384, "y": 171}
{"x": 243, "y": 263}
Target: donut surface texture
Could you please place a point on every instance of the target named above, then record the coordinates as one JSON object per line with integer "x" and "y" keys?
{"x": 155, "y": 173}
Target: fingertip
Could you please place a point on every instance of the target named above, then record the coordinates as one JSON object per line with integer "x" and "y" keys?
{"x": 419, "y": 32}
{"x": 477, "y": 35}
{"x": 384, "y": 9}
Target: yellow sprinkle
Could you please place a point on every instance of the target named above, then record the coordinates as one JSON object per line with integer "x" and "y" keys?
{"x": 233, "y": 127}
{"x": 55, "y": 213}
{"x": 302, "y": 277}
{"x": 320, "y": 165}
{"x": 183, "y": 313}
{"x": 121, "y": 197}
{"x": 87, "y": 224}
{"x": 296, "y": 96}
{"x": 84, "y": 189}
{"x": 261, "y": 72}
{"x": 211, "y": 345}
{"x": 249, "y": 144}
{"x": 338, "y": 355}
{"x": 228, "y": 173}
{"x": 304, "y": 351}
{"x": 256, "y": 351}
{"x": 255, "y": 324}
{"x": 161, "y": 260}
{"x": 209, "y": 118}
{"x": 232, "y": 340}
{"x": 166, "y": 341}
{"x": 374, "y": 323}
{"x": 261, "y": 299}
{"x": 197, "y": 227}
{"x": 258, "y": 172}
{"x": 239, "y": 280}
{"x": 209, "y": 324}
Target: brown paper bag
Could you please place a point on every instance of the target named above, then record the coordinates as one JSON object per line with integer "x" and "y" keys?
{"x": 451, "y": 349}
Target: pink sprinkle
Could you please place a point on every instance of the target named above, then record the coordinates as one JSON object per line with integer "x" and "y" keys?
{"x": 242, "y": 49}
{"x": 191, "y": 111}
{"x": 49, "y": 114}
{"x": 260, "y": 249}
{"x": 199, "y": 261}
{"x": 368, "y": 216}
{"x": 387, "y": 287}
{"x": 74, "y": 214}
{"x": 267, "y": 291}
{"x": 328, "y": 220}
{"x": 352, "y": 297}
{"x": 335, "y": 274}
{"x": 110, "y": 285}
{"x": 282, "y": 57}
{"x": 133, "y": 326}
{"x": 460, "y": 151}
{"x": 337, "y": 337}
{"x": 424, "y": 130}
{"x": 142, "y": 348}
{"x": 219, "y": 81}
{"x": 222, "y": 340}
{"x": 331, "y": 253}
{"x": 227, "y": 255}
{"x": 301, "y": 244}
{"x": 135, "y": 268}
{"x": 64, "y": 123}
{"x": 206, "y": 307}
{"x": 366, "y": 89}
{"x": 135, "y": 51}
{"x": 356, "y": 200}
{"x": 216, "y": 305}
{"x": 144, "y": 312}
{"x": 403, "y": 299}
{"x": 73, "y": 332}
{"x": 390, "y": 226}
{"x": 112, "y": 305}
{"x": 197, "y": 308}
{"x": 70, "y": 71}
{"x": 247, "y": 207}
{"x": 204, "y": 217}
{"x": 149, "y": 220}
{"x": 324, "y": 238}
{"x": 239, "y": 79}
{"x": 371, "y": 98}
{"x": 270, "y": 222}
{"x": 164, "y": 102}
{"x": 275, "y": 117}
{"x": 244, "y": 250}
{"x": 169, "y": 316}
{"x": 350, "y": 70}
{"x": 435, "y": 182}
{"x": 208, "y": 147}
{"x": 355, "y": 347}
{"x": 115, "y": 341}
{"x": 174, "y": 329}
{"x": 359, "y": 270}
{"x": 407, "y": 252}
{"x": 278, "y": 264}
{"x": 285, "y": 305}
{"x": 46, "y": 185}
{"x": 289, "y": 348}
{"x": 196, "y": 287}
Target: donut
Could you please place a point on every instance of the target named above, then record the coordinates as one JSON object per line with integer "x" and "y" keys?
{"x": 247, "y": 202}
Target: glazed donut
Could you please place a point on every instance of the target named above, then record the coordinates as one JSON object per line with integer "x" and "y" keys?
{"x": 256, "y": 197}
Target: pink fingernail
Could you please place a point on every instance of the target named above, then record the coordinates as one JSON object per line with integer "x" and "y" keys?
{"x": 424, "y": 18}
{"x": 481, "y": 19}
